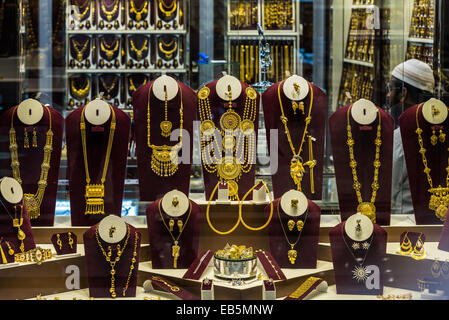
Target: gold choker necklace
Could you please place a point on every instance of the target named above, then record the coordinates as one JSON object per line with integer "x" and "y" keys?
{"x": 138, "y": 12}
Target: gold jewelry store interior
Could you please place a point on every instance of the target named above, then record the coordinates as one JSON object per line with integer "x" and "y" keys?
{"x": 224, "y": 150}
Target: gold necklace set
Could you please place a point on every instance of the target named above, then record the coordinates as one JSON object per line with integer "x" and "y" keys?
{"x": 164, "y": 159}
{"x": 108, "y": 12}
{"x": 32, "y": 201}
{"x": 132, "y": 86}
{"x": 94, "y": 194}
{"x": 439, "y": 199}
{"x": 139, "y": 51}
{"x": 167, "y": 10}
{"x": 83, "y": 10}
{"x": 237, "y": 137}
{"x": 113, "y": 261}
{"x": 168, "y": 53}
{"x": 297, "y": 164}
{"x": 108, "y": 88}
{"x": 366, "y": 208}
{"x": 82, "y": 92}
{"x": 139, "y": 12}
{"x": 17, "y": 223}
{"x": 80, "y": 48}
{"x": 107, "y": 48}
{"x": 176, "y": 249}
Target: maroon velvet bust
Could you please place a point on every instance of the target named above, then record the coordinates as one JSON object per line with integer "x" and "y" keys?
{"x": 444, "y": 237}
{"x": 161, "y": 241}
{"x": 99, "y": 270}
{"x": 344, "y": 262}
{"x": 282, "y": 181}
{"x": 31, "y": 158}
{"x": 218, "y": 107}
{"x": 96, "y": 144}
{"x": 307, "y": 246}
{"x": 152, "y": 186}
{"x": 436, "y": 161}
{"x": 364, "y": 154}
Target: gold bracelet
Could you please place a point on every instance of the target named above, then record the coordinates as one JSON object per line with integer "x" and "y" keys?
{"x": 37, "y": 255}
{"x": 270, "y": 262}
{"x": 172, "y": 288}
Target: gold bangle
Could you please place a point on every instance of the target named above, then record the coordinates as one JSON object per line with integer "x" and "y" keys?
{"x": 37, "y": 255}
{"x": 271, "y": 208}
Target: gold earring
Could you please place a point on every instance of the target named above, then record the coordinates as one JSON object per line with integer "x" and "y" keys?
{"x": 291, "y": 224}
{"x": 59, "y": 242}
{"x": 180, "y": 225}
{"x": 34, "y": 138}
{"x": 70, "y": 240}
{"x": 406, "y": 246}
{"x": 433, "y": 138}
{"x": 442, "y": 136}
{"x": 26, "y": 141}
{"x": 299, "y": 225}
{"x": 436, "y": 269}
{"x": 418, "y": 250}
{"x": 10, "y": 250}
{"x": 171, "y": 224}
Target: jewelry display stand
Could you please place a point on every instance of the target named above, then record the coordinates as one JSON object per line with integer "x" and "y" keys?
{"x": 109, "y": 53}
{"x": 163, "y": 215}
{"x": 97, "y": 137}
{"x": 436, "y": 157}
{"x": 104, "y": 239}
{"x": 364, "y": 138}
{"x": 296, "y": 111}
{"x": 31, "y": 124}
{"x": 139, "y": 15}
{"x": 302, "y": 238}
{"x": 151, "y": 185}
{"x": 110, "y": 85}
{"x": 139, "y": 47}
{"x": 351, "y": 275}
{"x": 81, "y": 52}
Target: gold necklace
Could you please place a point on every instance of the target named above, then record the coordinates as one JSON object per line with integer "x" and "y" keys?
{"x": 33, "y": 201}
{"x": 168, "y": 53}
{"x": 176, "y": 249}
{"x": 108, "y": 88}
{"x": 109, "y": 13}
{"x": 85, "y": 7}
{"x": 17, "y": 223}
{"x": 228, "y": 169}
{"x": 164, "y": 159}
{"x": 167, "y": 10}
{"x": 77, "y": 46}
{"x": 297, "y": 169}
{"x": 439, "y": 199}
{"x": 292, "y": 254}
{"x": 139, "y": 52}
{"x": 95, "y": 192}
{"x": 113, "y": 262}
{"x": 366, "y": 208}
{"x": 82, "y": 92}
{"x": 139, "y": 12}
{"x": 106, "y": 48}
{"x": 132, "y": 86}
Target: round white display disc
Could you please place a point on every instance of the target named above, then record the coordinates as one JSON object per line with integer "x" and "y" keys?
{"x": 223, "y": 85}
{"x": 30, "y": 112}
{"x": 97, "y": 112}
{"x": 112, "y": 229}
{"x": 11, "y": 190}
{"x": 294, "y": 203}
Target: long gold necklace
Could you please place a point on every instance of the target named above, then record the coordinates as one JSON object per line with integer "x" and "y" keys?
{"x": 95, "y": 192}
{"x": 292, "y": 254}
{"x": 366, "y": 208}
{"x": 108, "y": 12}
{"x": 113, "y": 262}
{"x": 168, "y": 53}
{"x": 17, "y": 223}
{"x": 139, "y": 12}
{"x": 139, "y": 52}
{"x": 164, "y": 159}
{"x": 176, "y": 249}
{"x": 80, "y": 93}
{"x": 33, "y": 201}
{"x": 297, "y": 165}
{"x": 167, "y": 10}
{"x": 439, "y": 199}
{"x": 236, "y": 133}
{"x": 77, "y": 46}
{"x": 106, "y": 48}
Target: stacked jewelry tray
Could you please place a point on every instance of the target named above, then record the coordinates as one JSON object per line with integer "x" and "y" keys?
{"x": 114, "y": 46}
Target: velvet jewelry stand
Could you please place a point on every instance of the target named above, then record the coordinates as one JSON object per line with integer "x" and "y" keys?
{"x": 96, "y": 141}
{"x": 307, "y": 246}
{"x": 344, "y": 262}
{"x": 161, "y": 242}
{"x": 444, "y": 237}
{"x": 436, "y": 161}
{"x": 31, "y": 159}
{"x": 282, "y": 181}
{"x": 98, "y": 269}
{"x": 9, "y": 233}
{"x": 152, "y": 186}
{"x": 364, "y": 154}
{"x": 65, "y": 245}
{"x": 218, "y": 108}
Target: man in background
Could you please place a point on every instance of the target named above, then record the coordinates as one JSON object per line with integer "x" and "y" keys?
{"x": 412, "y": 82}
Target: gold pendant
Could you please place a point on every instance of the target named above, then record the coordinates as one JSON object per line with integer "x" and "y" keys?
{"x": 166, "y": 127}
{"x": 21, "y": 235}
{"x": 94, "y": 199}
{"x": 138, "y": 16}
{"x": 16, "y": 223}
{"x": 230, "y": 120}
{"x": 233, "y": 188}
{"x": 368, "y": 209}
{"x": 229, "y": 169}
{"x": 175, "y": 254}
{"x": 292, "y": 254}
{"x": 247, "y": 127}
{"x": 297, "y": 171}
{"x": 164, "y": 162}
{"x": 207, "y": 128}
{"x": 439, "y": 202}
{"x": 32, "y": 205}
{"x": 79, "y": 56}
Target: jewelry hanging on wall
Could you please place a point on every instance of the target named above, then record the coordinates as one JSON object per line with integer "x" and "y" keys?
{"x": 109, "y": 51}
{"x": 139, "y": 52}
{"x": 139, "y": 13}
{"x": 167, "y": 51}
{"x": 80, "y": 48}
{"x": 167, "y": 12}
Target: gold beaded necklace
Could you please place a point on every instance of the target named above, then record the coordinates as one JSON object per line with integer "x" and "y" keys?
{"x": 106, "y": 48}
{"x": 85, "y": 7}
{"x": 297, "y": 164}
{"x": 366, "y": 208}
{"x": 139, "y": 12}
{"x": 139, "y": 52}
{"x": 164, "y": 159}
{"x": 108, "y": 12}
{"x": 95, "y": 192}
{"x": 439, "y": 199}
{"x": 79, "y": 48}
{"x": 33, "y": 201}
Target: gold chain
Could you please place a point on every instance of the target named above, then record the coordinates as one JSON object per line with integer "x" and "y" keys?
{"x": 109, "y": 13}
{"x": 132, "y": 86}
{"x": 32, "y": 201}
{"x": 271, "y": 208}
{"x": 365, "y": 208}
{"x": 172, "y": 288}
{"x": 139, "y": 12}
{"x": 95, "y": 192}
{"x": 82, "y": 92}
{"x": 139, "y": 52}
{"x": 439, "y": 199}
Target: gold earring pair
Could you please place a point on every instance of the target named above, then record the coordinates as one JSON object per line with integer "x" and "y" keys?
{"x": 434, "y": 138}
{"x": 171, "y": 224}
{"x": 440, "y": 269}
{"x": 26, "y": 140}
{"x": 291, "y": 225}
{"x": 416, "y": 251}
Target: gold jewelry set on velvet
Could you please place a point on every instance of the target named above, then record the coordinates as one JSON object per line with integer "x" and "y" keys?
{"x": 439, "y": 196}
{"x": 69, "y": 240}
{"x": 164, "y": 158}
{"x": 110, "y": 50}
{"x": 32, "y": 201}
{"x": 95, "y": 193}
{"x": 110, "y": 90}
{"x": 415, "y": 251}
{"x": 366, "y": 208}
{"x": 138, "y": 13}
{"x": 112, "y": 261}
